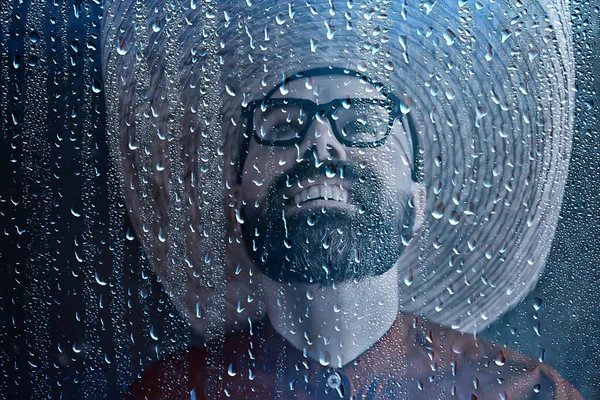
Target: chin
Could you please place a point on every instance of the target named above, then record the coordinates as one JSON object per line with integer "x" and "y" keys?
{"x": 328, "y": 241}
{"x": 325, "y": 248}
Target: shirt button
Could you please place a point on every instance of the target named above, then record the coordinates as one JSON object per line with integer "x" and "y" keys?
{"x": 334, "y": 381}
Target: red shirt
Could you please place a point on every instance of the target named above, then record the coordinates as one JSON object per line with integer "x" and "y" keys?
{"x": 414, "y": 360}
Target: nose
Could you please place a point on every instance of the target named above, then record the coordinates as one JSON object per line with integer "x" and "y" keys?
{"x": 320, "y": 143}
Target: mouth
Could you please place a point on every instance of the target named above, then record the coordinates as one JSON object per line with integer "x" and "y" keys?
{"x": 325, "y": 192}
{"x": 329, "y": 193}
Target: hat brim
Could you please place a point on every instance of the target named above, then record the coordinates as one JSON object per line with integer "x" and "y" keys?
{"x": 491, "y": 89}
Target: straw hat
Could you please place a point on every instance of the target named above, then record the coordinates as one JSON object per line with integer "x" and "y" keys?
{"x": 489, "y": 87}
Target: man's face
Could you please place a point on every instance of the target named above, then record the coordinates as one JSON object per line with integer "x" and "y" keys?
{"x": 321, "y": 210}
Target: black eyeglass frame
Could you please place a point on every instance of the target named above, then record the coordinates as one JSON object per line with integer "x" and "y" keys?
{"x": 323, "y": 110}
{"x": 390, "y": 98}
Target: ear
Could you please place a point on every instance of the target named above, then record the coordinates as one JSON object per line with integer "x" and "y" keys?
{"x": 419, "y": 195}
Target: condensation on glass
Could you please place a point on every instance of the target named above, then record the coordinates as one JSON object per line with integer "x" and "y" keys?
{"x": 316, "y": 199}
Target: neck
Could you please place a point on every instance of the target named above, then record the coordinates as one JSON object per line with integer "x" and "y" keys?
{"x": 334, "y": 325}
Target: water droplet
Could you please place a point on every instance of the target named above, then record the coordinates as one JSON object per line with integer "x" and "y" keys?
{"x": 500, "y": 359}
{"x": 532, "y": 55}
{"x": 489, "y": 54}
{"x": 489, "y": 252}
{"x": 324, "y": 358}
{"x": 439, "y": 304}
{"x": 454, "y": 218}
{"x": 409, "y": 278}
{"x": 122, "y": 46}
{"x": 482, "y": 111}
{"x": 16, "y": 61}
{"x": 232, "y": 369}
{"x": 523, "y": 88}
{"x": 510, "y": 289}
{"x": 34, "y": 36}
{"x": 429, "y": 4}
{"x": 238, "y": 216}
{"x": 450, "y": 37}
{"x": 541, "y": 354}
{"x": 330, "y": 29}
{"x": 99, "y": 281}
{"x": 152, "y": 333}
{"x": 438, "y": 210}
{"x": 239, "y": 308}
{"x": 229, "y": 89}
{"x": 537, "y": 328}
{"x": 326, "y": 270}
{"x": 450, "y": 93}
{"x": 405, "y": 105}
{"x": 156, "y": 25}
{"x": 129, "y": 234}
{"x": 96, "y": 86}
{"x": 76, "y": 349}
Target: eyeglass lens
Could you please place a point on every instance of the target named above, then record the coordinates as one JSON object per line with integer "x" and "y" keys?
{"x": 353, "y": 121}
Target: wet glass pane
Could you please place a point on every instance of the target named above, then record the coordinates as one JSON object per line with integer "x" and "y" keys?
{"x": 281, "y": 199}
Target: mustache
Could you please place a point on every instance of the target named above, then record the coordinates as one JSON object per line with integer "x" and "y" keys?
{"x": 343, "y": 170}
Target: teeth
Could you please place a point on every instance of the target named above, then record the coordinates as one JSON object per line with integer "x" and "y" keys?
{"x": 336, "y": 194}
{"x": 321, "y": 191}
{"x": 313, "y": 192}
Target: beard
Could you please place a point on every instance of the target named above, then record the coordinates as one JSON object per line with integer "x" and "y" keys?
{"x": 328, "y": 245}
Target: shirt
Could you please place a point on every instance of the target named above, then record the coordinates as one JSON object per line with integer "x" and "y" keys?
{"x": 415, "y": 359}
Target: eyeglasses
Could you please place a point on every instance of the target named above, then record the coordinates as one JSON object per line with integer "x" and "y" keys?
{"x": 355, "y": 122}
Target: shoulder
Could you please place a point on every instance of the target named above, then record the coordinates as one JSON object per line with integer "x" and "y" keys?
{"x": 184, "y": 375}
{"x": 170, "y": 378}
{"x": 485, "y": 367}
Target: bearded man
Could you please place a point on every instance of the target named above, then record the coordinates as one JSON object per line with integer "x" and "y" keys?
{"x": 335, "y": 152}
{"x": 326, "y": 207}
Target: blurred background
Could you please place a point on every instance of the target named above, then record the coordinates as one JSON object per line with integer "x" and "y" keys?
{"x": 81, "y": 313}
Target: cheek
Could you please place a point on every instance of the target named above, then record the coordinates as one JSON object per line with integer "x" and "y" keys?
{"x": 390, "y": 164}
{"x": 264, "y": 159}
{"x": 264, "y": 165}
{"x": 393, "y": 174}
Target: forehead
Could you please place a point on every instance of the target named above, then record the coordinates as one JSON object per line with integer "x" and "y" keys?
{"x": 324, "y": 88}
